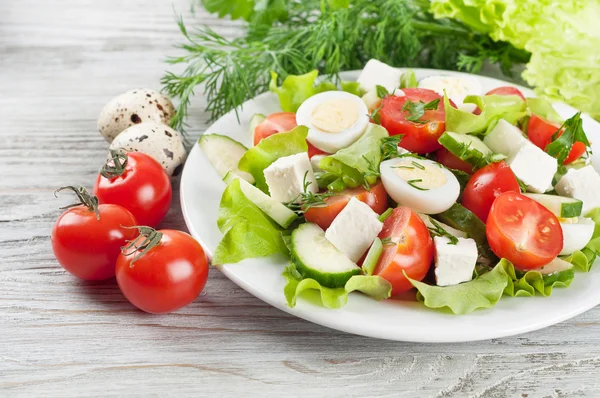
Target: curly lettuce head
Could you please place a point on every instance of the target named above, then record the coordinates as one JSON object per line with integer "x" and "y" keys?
{"x": 563, "y": 38}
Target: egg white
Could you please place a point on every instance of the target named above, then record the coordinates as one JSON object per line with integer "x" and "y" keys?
{"x": 457, "y": 88}
{"x": 328, "y": 141}
{"x": 430, "y": 201}
{"x": 576, "y": 236}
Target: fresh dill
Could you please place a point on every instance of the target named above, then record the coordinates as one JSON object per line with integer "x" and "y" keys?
{"x": 418, "y": 165}
{"x": 308, "y": 199}
{"x": 437, "y": 230}
{"x": 416, "y": 110}
{"x": 413, "y": 183}
{"x": 572, "y": 132}
{"x": 389, "y": 146}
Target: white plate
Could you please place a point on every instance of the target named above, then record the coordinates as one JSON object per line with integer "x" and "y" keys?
{"x": 201, "y": 190}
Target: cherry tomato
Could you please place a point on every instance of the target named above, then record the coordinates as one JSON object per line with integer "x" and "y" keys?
{"x": 540, "y": 132}
{"x": 137, "y": 182}
{"x": 87, "y": 243}
{"x": 504, "y": 90}
{"x": 448, "y": 159}
{"x": 323, "y": 216}
{"x": 411, "y": 250}
{"x": 168, "y": 275}
{"x": 523, "y": 231}
{"x": 418, "y": 137}
{"x": 486, "y": 185}
{"x": 278, "y": 123}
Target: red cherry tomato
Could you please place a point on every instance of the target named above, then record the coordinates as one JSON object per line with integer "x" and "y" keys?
{"x": 323, "y": 216}
{"x": 137, "y": 182}
{"x": 87, "y": 244}
{"x": 540, "y": 132}
{"x": 523, "y": 231}
{"x": 486, "y": 185}
{"x": 411, "y": 250}
{"x": 166, "y": 277}
{"x": 278, "y": 123}
{"x": 448, "y": 159}
{"x": 418, "y": 137}
{"x": 504, "y": 90}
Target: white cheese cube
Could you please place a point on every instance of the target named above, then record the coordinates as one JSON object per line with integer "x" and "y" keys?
{"x": 353, "y": 230}
{"x": 454, "y": 264}
{"x": 505, "y": 138}
{"x": 582, "y": 184}
{"x": 456, "y": 87}
{"x": 315, "y": 160}
{"x": 533, "y": 166}
{"x": 285, "y": 177}
{"x": 452, "y": 231}
{"x": 376, "y": 73}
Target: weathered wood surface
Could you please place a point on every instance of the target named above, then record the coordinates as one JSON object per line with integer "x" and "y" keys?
{"x": 60, "y": 61}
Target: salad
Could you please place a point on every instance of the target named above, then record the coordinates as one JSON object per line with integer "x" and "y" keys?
{"x": 391, "y": 185}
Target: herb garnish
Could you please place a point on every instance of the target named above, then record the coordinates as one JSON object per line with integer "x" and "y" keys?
{"x": 416, "y": 110}
{"x": 381, "y": 91}
{"x": 437, "y": 230}
{"x": 413, "y": 182}
{"x": 418, "y": 165}
{"x": 389, "y": 147}
{"x": 308, "y": 199}
{"x": 561, "y": 144}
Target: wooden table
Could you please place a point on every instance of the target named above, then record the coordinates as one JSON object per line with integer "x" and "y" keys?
{"x": 60, "y": 62}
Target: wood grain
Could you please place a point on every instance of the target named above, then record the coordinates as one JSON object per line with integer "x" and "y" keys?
{"x": 59, "y": 63}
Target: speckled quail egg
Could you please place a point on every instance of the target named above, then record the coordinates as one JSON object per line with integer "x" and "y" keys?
{"x": 134, "y": 107}
{"x": 157, "y": 140}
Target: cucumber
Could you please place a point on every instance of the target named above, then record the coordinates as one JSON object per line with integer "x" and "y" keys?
{"x": 272, "y": 208}
{"x": 466, "y": 147}
{"x": 504, "y": 138}
{"x": 372, "y": 258}
{"x": 255, "y": 120}
{"x": 317, "y": 258}
{"x": 560, "y": 206}
{"x": 224, "y": 153}
{"x": 464, "y": 220}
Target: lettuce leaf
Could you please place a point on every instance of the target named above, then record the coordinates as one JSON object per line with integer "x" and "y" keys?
{"x": 563, "y": 38}
{"x": 360, "y": 161}
{"x": 373, "y": 286}
{"x": 542, "y": 107}
{"x": 296, "y": 89}
{"x": 482, "y": 292}
{"x": 533, "y": 282}
{"x": 493, "y": 107}
{"x": 269, "y": 149}
{"x": 248, "y": 232}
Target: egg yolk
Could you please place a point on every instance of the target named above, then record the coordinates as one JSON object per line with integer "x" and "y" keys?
{"x": 335, "y": 115}
{"x": 420, "y": 174}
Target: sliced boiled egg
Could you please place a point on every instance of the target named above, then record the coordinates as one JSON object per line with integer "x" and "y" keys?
{"x": 335, "y": 119}
{"x": 457, "y": 88}
{"x": 576, "y": 234}
{"x": 421, "y": 184}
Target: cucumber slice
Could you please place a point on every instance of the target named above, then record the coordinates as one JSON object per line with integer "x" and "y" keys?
{"x": 372, "y": 258}
{"x": 560, "y": 206}
{"x": 255, "y": 120}
{"x": 272, "y": 208}
{"x": 317, "y": 258}
{"x": 504, "y": 138}
{"x": 224, "y": 153}
{"x": 466, "y": 147}
{"x": 464, "y": 220}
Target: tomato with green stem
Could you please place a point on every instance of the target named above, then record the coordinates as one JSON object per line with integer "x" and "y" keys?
{"x": 162, "y": 271}
{"x": 137, "y": 182}
{"x": 87, "y": 237}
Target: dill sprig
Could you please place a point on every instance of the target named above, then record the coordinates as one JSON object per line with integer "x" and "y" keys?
{"x": 437, "y": 230}
{"x": 294, "y": 37}
{"x": 307, "y": 199}
{"x": 389, "y": 146}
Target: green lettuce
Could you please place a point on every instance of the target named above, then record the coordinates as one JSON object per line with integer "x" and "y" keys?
{"x": 542, "y": 107}
{"x": 493, "y": 107}
{"x": 373, "y": 286}
{"x": 269, "y": 149}
{"x": 563, "y": 38}
{"x": 360, "y": 161}
{"x": 584, "y": 259}
{"x": 296, "y": 89}
{"x": 533, "y": 282}
{"x": 248, "y": 232}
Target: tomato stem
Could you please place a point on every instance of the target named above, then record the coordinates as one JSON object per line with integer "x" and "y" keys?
{"x": 85, "y": 199}
{"x": 114, "y": 167}
{"x": 146, "y": 240}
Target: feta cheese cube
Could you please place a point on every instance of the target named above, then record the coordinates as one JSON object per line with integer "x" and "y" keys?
{"x": 582, "y": 184}
{"x": 353, "y": 230}
{"x": 505, "y": 138}
{"x": 452, "y": 231}
{"x": 285, "y": 177}
{"x": 533, "y": 166}
{"x": 376, "y": 73}
{"x": 454, "y": 264}
{"x": 456, "y": 87}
